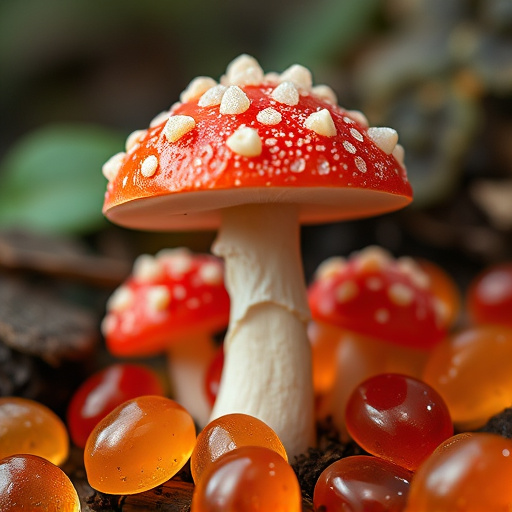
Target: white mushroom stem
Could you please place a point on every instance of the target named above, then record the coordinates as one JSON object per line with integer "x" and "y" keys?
{"x": 267, "y": 368}
{"x": 187, "y": 363}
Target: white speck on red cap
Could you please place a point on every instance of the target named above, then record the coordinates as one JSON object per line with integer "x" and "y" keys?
{"x": 382, "y": 315}
{"x": 158, "y": 298}
{"x": 269, "y": 116}
{"x": 401, "y": 294}
{"x": 159, "y": 118}
{"x": 146, "y": 268}
{"x": 121, "y": 299}
{"x": 346, "y": 291}
{"x": 299, "y": 75}
{"x": 325, "y": 93}
{"x": 244, "y": 70}
{"x": 399, "y": 154}
{"x": 212, "y": 96}
{"x": 234, "y": 101}
{"x": 133, "y": 139}
{"x": 385, "y": 138}
{"x": 321, "y": 123}
{"x": 330, "y": 267}
{"x": 112, "y": 165}
{"x": 149, "y": 166}
{"x": 197, "y": 87}
{"x": 177, "y": 126}
{"x": 245, "y": 142}
{"x": 286, "y": 93}
{"x": 211, "y": 273}
{"x": 358, "y": 117}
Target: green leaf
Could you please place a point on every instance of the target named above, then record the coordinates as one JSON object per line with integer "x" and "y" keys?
{"x": 51, "y": 179}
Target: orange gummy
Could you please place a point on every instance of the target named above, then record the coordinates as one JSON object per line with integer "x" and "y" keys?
{"x": 139, "y": 445}
{"x": 228, "y": 433}
{"x": 248, "y": 479}
{"x": 32, "y": 428}
{"x": 472, "y": 371}
{"x": 29, "y": 482}
{"x": 466, "y": 473}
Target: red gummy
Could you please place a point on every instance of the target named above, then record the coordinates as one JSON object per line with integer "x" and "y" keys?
{"x": 102, "y": 392}
{"x": 362, "y": 483}
{"x": 398, "y": 418}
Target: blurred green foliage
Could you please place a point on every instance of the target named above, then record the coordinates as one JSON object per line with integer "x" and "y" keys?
{"x": 50, "y": 180}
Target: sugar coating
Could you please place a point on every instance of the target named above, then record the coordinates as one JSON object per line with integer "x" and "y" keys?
{"x": 245, "y": 142}
{"x": 321, "y": 123}
{"x": 120, "y": 300}
{"x": 286, "y": 93}
{"x": 177, "y": 126}
{"x": 401, "y": 294}
{"x": 325, "y": 93}
{"x": 112, "y": 165}
{"x": 234, "y": 101}
{"x": 382, "y": 315}
{"x": 159, "y": 119}
{"x": 360, "y": 164}
{"x": 331, "y": 267}
{"x": 149, "y": 166}
{"x": 399, "y": 154}
{"x": 269, "y": 116}
{"x": 384, "y": 138}
{"x": 197, "y": 87}
{"x": 299, "y": 75}
{"x": 211, "y": 273}
{"x": 133, "y": 139}
{"x": 373, "y": 258}
{"x": 212, "y": 96}
{"x": 346, "y": 291}
{"x": 158, "y": 298}
{"x": 244, "y": 70}
{"x": 358, "y": 117}
{"x": 146, "y": 269}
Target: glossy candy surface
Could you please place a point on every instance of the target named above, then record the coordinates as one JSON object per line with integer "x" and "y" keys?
{"x": 398, "y": 418}
{"x": 103, "y": 392}
{"x": 248, "y": 479}
{"x": 29, "y": 482}
{"x": 29, "y": 427}
{"x": 228, "y": 433}
{"x": 472, "y": 370}
{"x": 362, "y": 483}
{"x": 467, "y": 473}
{"x": 139, "y": 445}
{"x": 489, "y": 297}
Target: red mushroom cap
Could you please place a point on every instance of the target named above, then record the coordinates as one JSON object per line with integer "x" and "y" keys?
{"x": 374, "y": 295}
{"x": 167, "y": 298}
{"x": 255, "y": 139}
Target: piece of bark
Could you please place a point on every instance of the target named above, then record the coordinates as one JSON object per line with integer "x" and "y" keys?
{"x": 35, "y": 320}
{"x": 59, "y": 258}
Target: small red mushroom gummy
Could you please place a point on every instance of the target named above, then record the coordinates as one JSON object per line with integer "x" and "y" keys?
{"x": 254, "y": 156}
{"x": 173, "y": 301}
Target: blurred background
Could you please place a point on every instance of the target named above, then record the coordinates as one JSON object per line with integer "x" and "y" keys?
{"x": 78, "y": 77}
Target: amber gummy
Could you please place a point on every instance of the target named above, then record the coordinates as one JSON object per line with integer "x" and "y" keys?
{"x": 139, "y": 445}
{"x": 31, "y": 483}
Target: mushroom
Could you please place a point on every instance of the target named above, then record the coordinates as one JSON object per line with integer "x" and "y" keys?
{"x": 386, "y": 315}
{"x": 254, "y": 156}
{"x": 174, "y": 302}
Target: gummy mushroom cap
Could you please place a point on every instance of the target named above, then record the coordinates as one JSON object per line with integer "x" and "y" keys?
{"x": 377, "y": 296}
{"x": 255, "y": 139}
{"x": 169, "y": 298}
